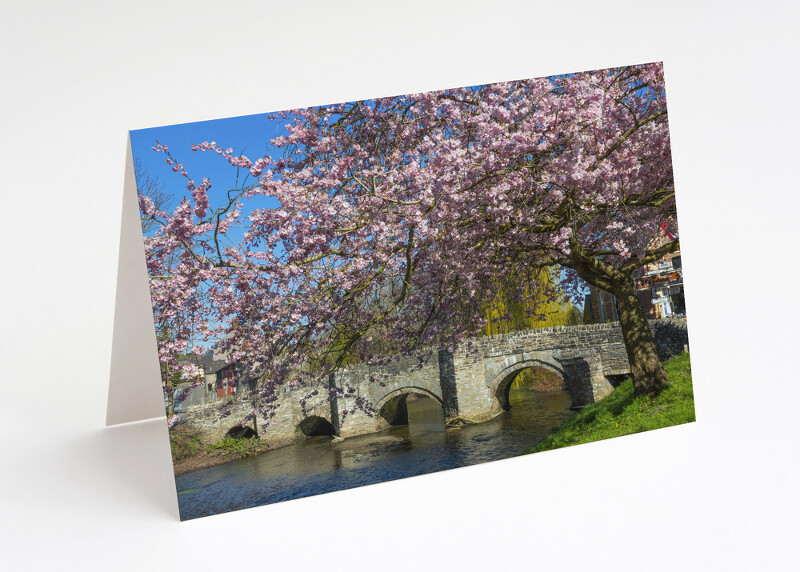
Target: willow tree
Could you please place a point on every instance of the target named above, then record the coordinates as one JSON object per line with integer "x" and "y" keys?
{"x": 400, "y": 215}
{"x": 540, "y": 303}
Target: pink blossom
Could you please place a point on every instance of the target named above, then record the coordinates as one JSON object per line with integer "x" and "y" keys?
{"x": 399, "y": 216}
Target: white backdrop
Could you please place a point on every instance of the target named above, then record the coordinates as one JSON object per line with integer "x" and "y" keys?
{"x": 716, "y": 494}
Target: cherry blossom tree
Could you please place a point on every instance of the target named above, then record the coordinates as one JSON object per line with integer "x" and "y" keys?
{"x": 398, "y": 218}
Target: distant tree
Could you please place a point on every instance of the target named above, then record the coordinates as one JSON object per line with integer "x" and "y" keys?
{"x": 150, "y": 187}
{"x": 528, "y": 302}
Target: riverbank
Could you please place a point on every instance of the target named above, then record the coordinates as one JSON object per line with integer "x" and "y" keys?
{"x": 622, "y": 414}
{"x": 189, "y": 454}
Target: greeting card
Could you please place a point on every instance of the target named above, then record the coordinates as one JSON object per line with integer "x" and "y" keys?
{"x": 354, "y": 293}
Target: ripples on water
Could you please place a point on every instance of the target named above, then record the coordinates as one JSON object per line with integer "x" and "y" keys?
{"x": 318, "y": 465}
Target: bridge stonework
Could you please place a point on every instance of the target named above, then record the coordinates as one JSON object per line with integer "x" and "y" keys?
{"x": 470, "y": 383}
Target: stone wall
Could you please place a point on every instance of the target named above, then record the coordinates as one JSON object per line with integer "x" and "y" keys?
{"x": 671, "y": 335}
{"x": 213, "y": 421}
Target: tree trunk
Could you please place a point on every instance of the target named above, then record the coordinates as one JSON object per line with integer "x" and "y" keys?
{"x": 255, "y": 421}
{"x": 646, "y": 370}
{"x": 170, "y": 398}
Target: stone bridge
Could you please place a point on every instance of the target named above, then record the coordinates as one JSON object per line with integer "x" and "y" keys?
{"x": 470, "y": 383}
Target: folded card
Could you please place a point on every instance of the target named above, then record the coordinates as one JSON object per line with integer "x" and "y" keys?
{"x": 359, "y": 292}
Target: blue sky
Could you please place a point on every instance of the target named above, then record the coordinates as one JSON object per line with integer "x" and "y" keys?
{"x": 248, "y": 135}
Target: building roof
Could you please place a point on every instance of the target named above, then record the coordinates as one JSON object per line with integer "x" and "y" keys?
{"x": 210, "y": 364}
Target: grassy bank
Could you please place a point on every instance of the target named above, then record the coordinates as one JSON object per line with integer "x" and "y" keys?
{"x": 622, "y": 414}
{"x": 189, "y": 454}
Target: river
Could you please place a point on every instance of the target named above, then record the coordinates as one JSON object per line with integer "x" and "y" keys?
{"x": 319, "y": 465}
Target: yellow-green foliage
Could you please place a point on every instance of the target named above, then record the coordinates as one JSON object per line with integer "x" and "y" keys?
{"x": 535, "y": 309}
{"x": 538, "y": 379}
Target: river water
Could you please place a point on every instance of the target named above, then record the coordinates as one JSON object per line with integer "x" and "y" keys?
{"x": 319, "y": 465}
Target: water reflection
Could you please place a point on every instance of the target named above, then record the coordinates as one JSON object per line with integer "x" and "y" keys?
{"x": 424, "y": 415}
{"x": 318, "y": 465}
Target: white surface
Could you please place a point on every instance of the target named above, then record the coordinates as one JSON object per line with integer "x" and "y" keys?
{"x": 135, "y": 388}
{"x": 717, "y": 494}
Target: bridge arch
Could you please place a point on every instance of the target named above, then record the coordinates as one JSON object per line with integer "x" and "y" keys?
{"x": 500, "y": 385}
{"x": 391, "y": 408}
{"x": 239, "y": 432}
{"x": 315, "y": 425}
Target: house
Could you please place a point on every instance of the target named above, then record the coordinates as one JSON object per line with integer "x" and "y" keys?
{"x": 599, "y": 307}
{"x": 221, "y": 380}
{"x": 659, "y": 287}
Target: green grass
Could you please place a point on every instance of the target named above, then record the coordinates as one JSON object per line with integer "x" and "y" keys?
{"x": 241, "y": 448}
{"x": 184, "y": 446}
{"x": 187, "y": 446}
{"x": 620, "y": 413}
